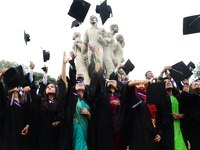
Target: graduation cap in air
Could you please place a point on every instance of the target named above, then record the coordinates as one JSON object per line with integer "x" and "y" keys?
{"x": 75, "y": 23}
{"x": 14, "y": 77}
{"x": 104, "y": 10}
{"x": 78, "y": 10}
{"x": 26, "y": 37}
{"x": 44, "y": 68}
{"x": 191, "y": 66}
{"x": 46, "y": 55}
{"x": 191, "y": 24}
{"x": 128, "y": 66}
{"x": 156, "y": 93}
{"x": 180, "y": 71}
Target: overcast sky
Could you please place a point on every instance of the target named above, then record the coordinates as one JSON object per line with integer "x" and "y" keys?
{"x": 152, "y": 31}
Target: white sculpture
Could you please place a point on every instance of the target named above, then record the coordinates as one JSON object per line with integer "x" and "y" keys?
{"x": 94, "y": 36}
{"x": 118, "y": 52}
{"x": 111, "y": 52}
{"x": 110, "y": 62}
{"x": 80, "y": 62}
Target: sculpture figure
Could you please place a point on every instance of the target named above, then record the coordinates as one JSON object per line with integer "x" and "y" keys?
{"x": 95, "y": 38}
{"x": 80, "y": 62}
{"x": 109, "y": 58}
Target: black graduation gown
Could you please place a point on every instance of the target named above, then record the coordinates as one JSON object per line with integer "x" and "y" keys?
{"x": 165, "y": 126}
{"x": 104, "y": 123}
{"x": 141, "y": 133}
{"x": 66, "y": 126}
{"x": 14, "y": 118}
{"x": 192, "y": 118}
{"x": 45, "y": 134}
{"x": 67, "y": 104}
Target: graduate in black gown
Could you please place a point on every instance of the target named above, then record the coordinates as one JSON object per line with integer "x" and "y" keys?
{"x": 76, "y": 111}
{"x": 170, "y": 120}
{"x": 14, "y": 113}
{"x": 46, "y": 123}
{"x": 191, "y": 98}
{"x": 113, "y": 109}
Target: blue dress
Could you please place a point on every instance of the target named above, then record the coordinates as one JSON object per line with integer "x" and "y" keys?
{"x": 80, "y": 126}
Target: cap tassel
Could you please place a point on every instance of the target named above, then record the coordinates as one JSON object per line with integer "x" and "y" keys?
{"x": 194, "y": 20}
{"x": 11, "y": 102}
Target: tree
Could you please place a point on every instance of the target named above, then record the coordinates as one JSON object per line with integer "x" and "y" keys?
{"x": 39, "y": 76}
{"x": 197, "y": 71}
{"x": 8, "y": 64}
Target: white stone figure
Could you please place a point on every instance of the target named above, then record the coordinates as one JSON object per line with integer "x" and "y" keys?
{"x": 80, "y": 62}
{"x": 109, "y": 58}
{"x": 118, "y": 52}
{"x": 94, "y": 37}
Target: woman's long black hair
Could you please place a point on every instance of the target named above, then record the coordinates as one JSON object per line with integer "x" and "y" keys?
{"x": 175, "y": 91}
{"x": 86, "y": 96}
{"x": 46, "y": 100}
{"x": 118, "y": 90}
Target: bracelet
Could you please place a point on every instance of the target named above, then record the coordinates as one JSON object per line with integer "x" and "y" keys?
{"x": 160, "y": 78}
{"x": 97, "y": 60}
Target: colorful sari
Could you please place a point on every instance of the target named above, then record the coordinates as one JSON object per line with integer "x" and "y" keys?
{"x": 179, "y": 143}
{"x": 118, "y": 137}
{"x": 80, "y": 126}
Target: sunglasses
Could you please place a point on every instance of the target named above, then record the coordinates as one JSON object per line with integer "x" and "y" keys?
{"x": 150, "y": 74}
{"x": 195, "y": 83}
{"x": 112, "y": 81}
{"x": 80, "y": 83}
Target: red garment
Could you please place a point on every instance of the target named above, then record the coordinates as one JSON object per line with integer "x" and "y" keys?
{"x": 152, "y": 107}
{"x": 119, "y": 145}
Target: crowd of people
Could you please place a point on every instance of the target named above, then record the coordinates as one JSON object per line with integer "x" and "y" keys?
{"x": 108, "y": 114}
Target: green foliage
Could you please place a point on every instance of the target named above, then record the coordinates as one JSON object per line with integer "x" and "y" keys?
{"x": 39, "y": 76}
{"x": 52, "y": 80}
{"x": 8, "y": 64}
{"x": 197, "y": 71}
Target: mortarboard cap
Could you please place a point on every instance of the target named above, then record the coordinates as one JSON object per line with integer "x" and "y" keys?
{"x": 191, "y": 24}
{"x": 191, "y": 66}
{"x": 46, "y": 55}
{"x": 180, "y": 71}
{"x": 44, "y": 68}
{"x": 26, "y": 37}
{"x": 156, "y": 93}
{"x": 75, "y": 23}
{"x": 79, "y": 9}
{"x": 104, "y": 10}
{"x": 128, "y": 66}
{"x": 14, "y": 77}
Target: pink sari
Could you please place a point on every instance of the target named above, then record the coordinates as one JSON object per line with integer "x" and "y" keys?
{"x": 118, "y": 137}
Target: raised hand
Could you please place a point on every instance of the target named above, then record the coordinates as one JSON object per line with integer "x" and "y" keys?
{"x": 72, "y": 54}
{"x": 32, "y": 65}
{"x": 65, "y": 59}
{"x": 97, "y": 52}
{"x": 90, "y": 47}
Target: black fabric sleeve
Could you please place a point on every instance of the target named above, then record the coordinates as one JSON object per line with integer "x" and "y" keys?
{"x": 91, "y": 66}
{"x": 3, "y": 103}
